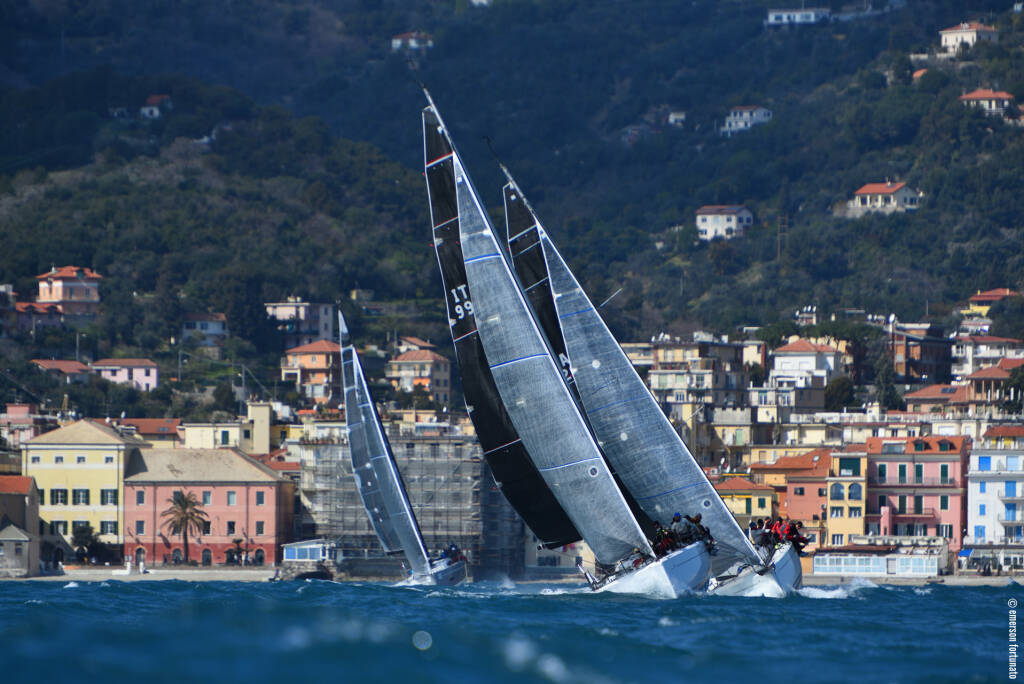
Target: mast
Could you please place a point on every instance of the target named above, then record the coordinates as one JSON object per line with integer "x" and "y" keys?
{"x": 373, "y": 465}
{"x": 641, "y": 444}
{"x": 510, "y": 465}
{"x": 535, "y": 394}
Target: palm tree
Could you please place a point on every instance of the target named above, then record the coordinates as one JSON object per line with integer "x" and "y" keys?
{"x": 185, "y": 515}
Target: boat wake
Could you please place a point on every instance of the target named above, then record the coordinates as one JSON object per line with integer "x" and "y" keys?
{"x": 842, "y": 591}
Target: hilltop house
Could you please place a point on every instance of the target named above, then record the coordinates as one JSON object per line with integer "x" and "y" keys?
{"x": 973, "y": 353}
{"x": 887, "y": 197}
{"x": 302, "y": 322}
{"x": 744, "y": 118}
{"x": 981, "y": 302}
{"x": 155, "y": 106}
{"x": 422, "y": 368}
{"x": 722, "y": 221}
{"x": 956, "y": 38}
{"x": 66, "y": 371}
{"x": 208, "y": 329}
{"x": 414, "y": 41}
{"x": 796, "y": 17}
{"x": 74, "y": 290}
{"x": 315, "y": 370}
{"x": 992, "y": 102}
{"x": 141, "y": 374}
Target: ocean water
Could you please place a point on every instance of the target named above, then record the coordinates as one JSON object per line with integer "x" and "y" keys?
{"x": 174, "y": 631}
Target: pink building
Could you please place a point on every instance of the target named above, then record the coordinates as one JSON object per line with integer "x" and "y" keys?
{"x": 142, "y": 374}
{"x": 916, "y": 486}
{"x": 250, "y": 508}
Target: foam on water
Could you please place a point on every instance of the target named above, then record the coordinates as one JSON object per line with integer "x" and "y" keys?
{"x": 71, "y": 585}
{"x": 842, "y": 591}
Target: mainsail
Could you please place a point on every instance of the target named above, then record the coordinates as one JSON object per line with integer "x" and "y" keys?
{"x": 534, "y": 391}
{"x": 506, "y": 455}
{"x": 373, "y": 465}
{"x": 642, "y": 446}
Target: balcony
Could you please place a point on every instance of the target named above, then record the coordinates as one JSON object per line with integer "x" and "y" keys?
{"x": 920, "y": 514}
{"x": 1011, "y": 498}
{"x": 874, "y": 481}
{"x": 1017, "y": 519}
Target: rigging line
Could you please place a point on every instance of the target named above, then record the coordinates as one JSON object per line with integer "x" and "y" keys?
{"x": 539, "y": 282}
{"x": 614, "y": 294}
{"x": 521, "y": 358}
{"x": 566, "y": 465}
{"x": 507, "y": 444}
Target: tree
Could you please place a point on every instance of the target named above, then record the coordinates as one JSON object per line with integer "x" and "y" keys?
{"x": 84, "y": 540}
{"x": 886, "y": 393}
{"x": 839, "y": 393}
{"x": 1013, "y": 389}
{"x": 185, "y": 515}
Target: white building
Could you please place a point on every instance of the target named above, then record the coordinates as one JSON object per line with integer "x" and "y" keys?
{"x": 887, "y": 197}
{"x": 303, "y": 322}
{"x": 995, "y": 502}
{"x": 793, "y": 17}
{"x": 723, "y": 221}
{"x": 412, "y": 41}
{"x": 743, "y": 118}
{"x": 992, "y": 102}
{"x": 209, "y": 329}
{"x": 966, "y": 34}
{"x": 972, "y": 353}
{"x": 802, "y": 358}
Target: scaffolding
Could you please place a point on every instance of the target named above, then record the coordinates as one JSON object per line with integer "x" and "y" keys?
{"x": 450, "y": 487}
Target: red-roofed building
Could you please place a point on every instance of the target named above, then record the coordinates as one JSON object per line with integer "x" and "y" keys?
{"x": 992, "y": 102}
{"x": 19, "y": 526}
{"x": 887, "y": 197}
{"x": 801, "y": 484}
{"x": 68, "y": 371}
{"x": 947, "y": 400}
{"x": 917, "y": 486}
{"x": 966, "y": 34}
{"x": 421, "y": 368}
{"x": 723, "y": 221}
{"x": 747, "y": 500}
{"x": 76, "y": 290}
{"x": 21, "y": 423}
{"x": 32, "y": 315}
{"x": 1003, "y": 437}
{"x": 141, "y": 374}
{"x": 410, "y": 343}
{"x": 155, "y": 106}
{"x": 972, "y": 353}
{"x": 315, "y": 370}
{"x": 162, "y": 433}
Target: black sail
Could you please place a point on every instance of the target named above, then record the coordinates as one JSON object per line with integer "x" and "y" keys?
{"x": 512, "y": 468}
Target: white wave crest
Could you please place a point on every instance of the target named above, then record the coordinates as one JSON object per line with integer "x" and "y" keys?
{"x": 71, "y": 585}
{"x": 842, "y": 591}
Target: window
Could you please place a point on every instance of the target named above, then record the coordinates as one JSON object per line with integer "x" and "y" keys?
{"x": 1012, "y": 463}
{"x": 231, "y": 527}
{"x": 224, "y": 437}
{"x": 944, "y": 474}
{"x": 245, "y": 434}
{"x": 108, "y": 497}
{"x": 108, "y": 459}
{"x": 1010, "y": 488}
{"x": 206, "y": 527}
{"x": 918, "y": 473}
{"x": 140, "y": 527}
{"x": 79, "y": 524}
{"x": 981, "y": 487}
{"x": 140, "y": 497}
{"x": 259, "y": 527}
{"x": 979, "y": 533}
{"x": 59, "y": 527}
{"x": 58, "y": 459}
{"x": 108, "y": 527}
{"x": 981, "y": 509}
{"x": 231, "y": 498}
{"x": 918, "y": 503}
{"x": 849, "y": 466}
{"x": 984, "y": 463}
{"x": 837, "y": 540}
{"x": 798, "y": 491}
{"x": 80, "y": 459}
{"x": 944, "y": 531}
{"x": 835, "y": 512}
{"x": 58, "y": 497}
{"x": 837, "y": 492}
{"x": 207, "y": 498}
{"x": 80, "y": 497}
{"x": 821, "y": 491}
{"x": 902, "y": 473}
{"x": 944, "y": 502}
{"x": 854, "y": 512}
{"x": 35, "y": 459}
{"x": 901, "y": 504}
{"x": 881, "y": 473}
{"x": 259, "y": 498}
{"x": 855, "y": 492}
{"x": 760, "y": 502}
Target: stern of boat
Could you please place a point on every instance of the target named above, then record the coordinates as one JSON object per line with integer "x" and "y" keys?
{"x": 679, "y": 573}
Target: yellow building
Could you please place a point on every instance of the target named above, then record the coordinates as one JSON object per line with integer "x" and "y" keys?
{"x": 847, "y": 496}
{"x": 746, "y": 500}
{"x": 79, "y": 470}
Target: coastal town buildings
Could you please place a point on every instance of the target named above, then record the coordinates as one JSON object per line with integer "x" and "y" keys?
{"x": 209, "y": 330}
{"x": 920, "y": 352}
{"x": 887, "y": 197}
{"x": 301, "y": 323}
{"x": 20, "y": 532}
{"x": 421, "y": 369}
{"x": 726, "y": 221}
{"x": 315, "y": 371}
{"x": 142, "y": 374}
{"x": 743, "y": 118}
{"x": 995, "y": 510}
{"x": 992, "y": 102}
{"x": 74, "y": 290}
{"x": 68, "y": 371}
{"x": 966, "y": 34}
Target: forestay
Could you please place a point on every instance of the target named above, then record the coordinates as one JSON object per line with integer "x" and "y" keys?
{"x": 506, "y": 456}
{"x": 646, "y": 451}
{"x": 535, "y": 394}
{"x": 376, "y": 474}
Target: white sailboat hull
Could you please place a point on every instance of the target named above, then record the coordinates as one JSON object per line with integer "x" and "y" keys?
{"x": 679, "y": 573}
{"x": 781, "y": 576}
{"x": 439, "y": 575}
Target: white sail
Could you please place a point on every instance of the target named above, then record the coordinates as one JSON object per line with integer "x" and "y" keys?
{"x": 377, "y": 477}
{"x": 536, "y": 396}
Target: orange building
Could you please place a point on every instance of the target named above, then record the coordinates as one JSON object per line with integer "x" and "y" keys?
{"x": 74, "y": 289}
{"x": 315, "y": 370}
{"x": 422, "y": 368}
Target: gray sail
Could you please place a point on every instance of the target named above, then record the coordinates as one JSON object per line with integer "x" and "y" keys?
{"x": 536, "y": 396}
{"x": 373, "y": 465}
{"x": 646, "y": 451}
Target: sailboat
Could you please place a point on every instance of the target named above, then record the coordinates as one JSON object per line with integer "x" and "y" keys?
{"x": 380, "y": 483}
{"x": 534, "y": 392}
{"x": 637, "y": 438}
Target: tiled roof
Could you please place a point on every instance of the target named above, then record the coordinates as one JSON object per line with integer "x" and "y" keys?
{"x": 1010, "y": 364}
{"x": 124, "y": 363}
{"x": 154, "y": 100}
{"x": 879, "y": 188}
{"x": 805, "y": 347}
{"x": 994, "y": 295}
{"x": 34, "y": 307}
{"x": 746, "y": 108}
{"x": 1005, "y": 431}
{"x": 68, "y": 273}
{"x": 986, "y": 94}
{"x": 417, "y": 342}
{"x": 196, "y": 465}
{"x": 157, "y": 427}
{"x": 985, "y": 339}
{"x": 83, "y": 432}
{"x": 968, "y": 26}
{"x": 990, "y": 373}
{"x": 218, "y": 317}
{"x": 948, "y": 393}
{"x": 874, "y": 444}
{"x": 66, "y": 367}
{"x": 721, "y": 209}
{"x": 418, "y": 355}
{"x": 814, "y": 460}
{"x": 919, "y": 73}
{"x": 15, "y": 484}
{"x": 320, "y": 346}
{"x": 740, "y": 484}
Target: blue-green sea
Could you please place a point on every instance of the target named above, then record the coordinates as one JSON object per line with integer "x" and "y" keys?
{"x": 177, "y": 631}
